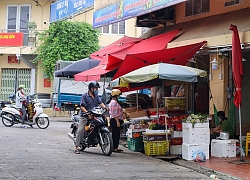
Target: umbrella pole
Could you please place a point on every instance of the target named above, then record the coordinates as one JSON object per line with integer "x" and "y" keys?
{"x": 137, "y": 101}
{"x": 241, "y": 151}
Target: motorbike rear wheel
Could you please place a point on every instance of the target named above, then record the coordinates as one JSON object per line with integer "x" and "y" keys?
{"x": 107, "y": 147}
{"x": 6, "y": 122}
{"x": 42, "y": 122}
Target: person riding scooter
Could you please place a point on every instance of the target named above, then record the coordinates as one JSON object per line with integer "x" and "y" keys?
{"x": 89, "y": 100}
{"x": 20, "y": 103}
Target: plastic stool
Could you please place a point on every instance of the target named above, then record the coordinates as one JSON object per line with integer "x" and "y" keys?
{"x": 247, "y": 142}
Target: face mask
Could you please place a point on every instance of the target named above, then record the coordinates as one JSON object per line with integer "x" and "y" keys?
{"x": 22, "y": 90}
{"x": 96, "y": 92}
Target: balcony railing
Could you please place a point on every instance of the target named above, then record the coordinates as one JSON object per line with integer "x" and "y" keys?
{"x": 29, "y": 37}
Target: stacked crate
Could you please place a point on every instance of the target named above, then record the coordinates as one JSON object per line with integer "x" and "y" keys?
{"x": 176, "y": 143}
{"x": 155, "y": 144}
{"x": 135, "y": 140}
{"x": 195, "y": 139}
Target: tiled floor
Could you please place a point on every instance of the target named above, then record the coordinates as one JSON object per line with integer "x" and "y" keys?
{"x": 224, "y": 165}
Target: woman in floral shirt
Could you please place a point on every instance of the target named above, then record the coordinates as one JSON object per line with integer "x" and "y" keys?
{"x": 116, "y": 116}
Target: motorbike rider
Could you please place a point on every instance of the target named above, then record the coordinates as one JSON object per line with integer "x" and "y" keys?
{"x": 89, "y": 100}
{"x": 20, "y": 103}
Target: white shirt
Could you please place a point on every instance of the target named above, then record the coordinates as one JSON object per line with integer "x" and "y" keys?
{"x": 19, "y": 99}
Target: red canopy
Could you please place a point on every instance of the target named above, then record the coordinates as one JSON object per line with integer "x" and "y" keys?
{"x": 237, "y": 65}
{"x": 152, "y": 44}
{"x": 111, "y": 62}
{"x": 118, "y": 45}
{"x": 95, "y": 73}
{"x": 179, "y": 55}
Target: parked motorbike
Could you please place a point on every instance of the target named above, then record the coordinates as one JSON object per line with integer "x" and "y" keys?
{"x": 96, "y": 131}
{"x": 11, "y": 115}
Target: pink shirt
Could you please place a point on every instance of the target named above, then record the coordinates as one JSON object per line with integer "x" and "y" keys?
{"x": 115, "y": 110}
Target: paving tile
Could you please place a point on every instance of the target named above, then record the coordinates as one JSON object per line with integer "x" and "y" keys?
{"x": 223, "y": 165}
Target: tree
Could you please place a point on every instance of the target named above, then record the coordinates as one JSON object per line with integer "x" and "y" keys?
{"x": 65, "y": 40}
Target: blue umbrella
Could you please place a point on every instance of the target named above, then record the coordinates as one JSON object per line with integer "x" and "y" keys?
{"x": 77, "y": 67}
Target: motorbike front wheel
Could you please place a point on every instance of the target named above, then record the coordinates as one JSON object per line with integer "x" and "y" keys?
{"x": 8, "y": 120}
{"x": 107, "y": 147}
{"x": 42, "y": 122}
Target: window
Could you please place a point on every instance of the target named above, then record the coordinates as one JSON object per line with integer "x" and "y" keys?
{"x": 194, "y": 7}
{"x": 116, "y": 28}
{"x": 232, "y": 2}
{"x": 17, "y": 18}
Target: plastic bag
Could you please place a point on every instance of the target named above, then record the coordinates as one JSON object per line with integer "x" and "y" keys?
{"x": 199, "y": 156}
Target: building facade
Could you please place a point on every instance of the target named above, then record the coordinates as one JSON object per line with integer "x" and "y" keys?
{"x": 199, "y": 20}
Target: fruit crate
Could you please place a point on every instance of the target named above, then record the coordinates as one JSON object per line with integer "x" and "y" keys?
{"x": 156, "y": 148}
{"x": 135, "y": 144}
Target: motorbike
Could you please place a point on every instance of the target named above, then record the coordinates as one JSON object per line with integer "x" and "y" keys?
{"x": 96, "y": 131}
{"x": 11, "y": 115}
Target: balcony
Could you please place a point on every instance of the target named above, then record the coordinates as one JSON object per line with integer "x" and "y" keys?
{"x": 29, "y": 38}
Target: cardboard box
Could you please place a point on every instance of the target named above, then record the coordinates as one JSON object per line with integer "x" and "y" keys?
{"x": 176, "y": 134}
{"x": 223, "y": 148}
{"x": 175, "y": 149}
{"x": 137, "y": 114}
{"x": 175, "y": 141}
{"x": 132, "y": 109}
{"x": 196, "y": 125}
{"x": 196, "y": 135}
{"x": 189, "y": 150}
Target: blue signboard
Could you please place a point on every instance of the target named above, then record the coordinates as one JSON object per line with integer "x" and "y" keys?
{"x": 108, "y": 15}
{"x": 64, "y": 8}
{"x": 128, "y": 9}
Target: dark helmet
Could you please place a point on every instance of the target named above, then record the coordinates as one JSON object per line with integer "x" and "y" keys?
{"x": 94, "y": 84}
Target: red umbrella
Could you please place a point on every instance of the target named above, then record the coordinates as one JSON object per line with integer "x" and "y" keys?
{"x": 110, "y": 62}
{"x": 152, "y": 44}
{"x": 118, "y": 45}
{"x": 178, "y": 55}
{"x": 237, "y": 71}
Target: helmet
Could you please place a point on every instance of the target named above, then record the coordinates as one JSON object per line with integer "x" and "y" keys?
{"x": 115, "y": 92}
{"x": 22, "y": 86}
{"x": 94, "y": 84}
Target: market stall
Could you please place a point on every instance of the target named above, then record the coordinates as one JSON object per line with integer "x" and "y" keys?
{"x": 160, "y": 125}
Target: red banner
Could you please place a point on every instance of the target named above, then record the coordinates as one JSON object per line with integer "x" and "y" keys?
{"x": 11, "y": 39}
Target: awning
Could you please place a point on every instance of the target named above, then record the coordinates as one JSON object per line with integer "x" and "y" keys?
{"x": 179, "y": 56}
{"x": 118, "y": 45}
{"x": 152, "y": 44}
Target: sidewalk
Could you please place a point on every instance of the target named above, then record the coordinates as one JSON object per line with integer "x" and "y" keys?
{"x": 223, "y": 168}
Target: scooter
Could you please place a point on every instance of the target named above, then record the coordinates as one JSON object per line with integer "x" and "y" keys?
{"x": 96, "y": 131}
{"x": 11, "y": 115}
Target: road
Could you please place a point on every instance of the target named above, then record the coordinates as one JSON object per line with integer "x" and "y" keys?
{"x": 34, "y": 153}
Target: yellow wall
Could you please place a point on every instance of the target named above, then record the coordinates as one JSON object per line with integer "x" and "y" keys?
{"x": 40, "y": 83}
{"x": 218, "y": 86}
{"x": 39, "y": 14}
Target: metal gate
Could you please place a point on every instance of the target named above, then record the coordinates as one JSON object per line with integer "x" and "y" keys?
{"x": 12, "y": 78}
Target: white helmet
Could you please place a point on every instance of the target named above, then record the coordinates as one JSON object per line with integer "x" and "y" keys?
{"x": 115, "y": 92}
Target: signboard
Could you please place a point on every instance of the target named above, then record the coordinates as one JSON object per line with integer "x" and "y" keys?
{"x": 127, "y": 9}
{"x": 11, "y": 39}
{"x": 13, "y": 60}
{"x": 64, "y": 8}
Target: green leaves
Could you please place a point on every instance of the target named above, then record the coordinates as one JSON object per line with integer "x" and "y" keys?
{"x": 65, "y": 40}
